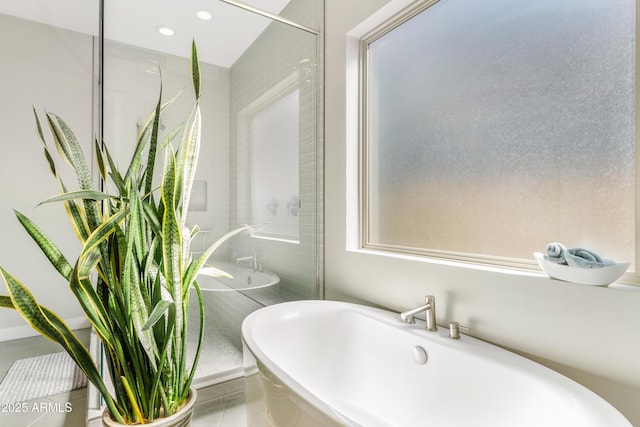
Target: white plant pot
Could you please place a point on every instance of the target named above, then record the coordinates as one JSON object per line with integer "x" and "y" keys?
{"x": 182, "y": 418}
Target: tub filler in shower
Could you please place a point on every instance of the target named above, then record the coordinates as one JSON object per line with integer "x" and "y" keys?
{"x": 325, "y": 363}
{"x": 243, "y": 278}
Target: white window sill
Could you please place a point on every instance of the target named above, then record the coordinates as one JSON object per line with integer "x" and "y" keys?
{"x": 489, "y": 268}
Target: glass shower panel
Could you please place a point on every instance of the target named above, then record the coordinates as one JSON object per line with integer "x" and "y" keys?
{"x": 286, "y": 236}
{"x": 276, "y": 183}
{"x": 259, "y": 82}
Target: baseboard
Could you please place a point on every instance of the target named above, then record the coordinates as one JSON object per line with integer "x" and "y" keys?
{"x": 26, "y": 331}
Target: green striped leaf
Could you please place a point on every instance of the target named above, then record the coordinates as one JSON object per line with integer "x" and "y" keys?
{"x": 187, "y": 159}
{"x": 51, "y": 326}
{"x": 140, "y": 315}
{"x": 102, "y": 166}
{"x": 50, "y": 250}
{"x": 195, "y": 267}
{"x": 58, "y": 138}
{"x": 195, "y": 70}
{"x": 173, "y": 134}
{"x": 144, "y": 136}
{"x": 158, "y": 312}
{"x": 5, "y": 302}
{"x": 115, "y": 175}
{"x": 85, "y": 362}
{"x": 47, "y": 155}
{"x": 213, "y": 272}
{"x": 171, "y": 238}
{"x": 78, "y": 195}
{"x": 187, "y": 383}
{"x": 153, "y": 146}
{"x": 76, "y": 216}
{"x": 102, "y": 233}
{"x": 25, "y": 304}
{"x": 151, "y": 216}
{"x": 89, "y": 300}
{"x": 172, "y": 252}
{"x": 78, "y": 222}
{"x": 69, "y": 147}
{"x": 136, "y": 229}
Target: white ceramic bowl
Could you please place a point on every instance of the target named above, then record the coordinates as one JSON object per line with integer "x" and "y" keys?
{"x": 602, "y": 276}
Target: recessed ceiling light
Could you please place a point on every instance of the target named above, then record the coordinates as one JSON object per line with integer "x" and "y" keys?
{"x": 164, "y": 30}
{"x": 204, "y": 15}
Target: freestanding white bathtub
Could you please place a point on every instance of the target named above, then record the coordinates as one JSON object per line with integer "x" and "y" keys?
{"x": 325, "y": 363}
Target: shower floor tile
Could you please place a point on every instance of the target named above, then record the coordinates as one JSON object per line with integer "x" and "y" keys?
{"x": 218, "y": 355}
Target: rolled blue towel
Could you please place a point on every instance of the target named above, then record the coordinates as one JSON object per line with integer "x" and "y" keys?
{"x": 554, "y": 252}
{"x": 574, "y": 257}
{"x": 578, "y": 257}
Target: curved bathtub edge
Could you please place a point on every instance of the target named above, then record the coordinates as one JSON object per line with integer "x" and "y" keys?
{"x": 314, "y": 310}
{"x": 269, "y": 402}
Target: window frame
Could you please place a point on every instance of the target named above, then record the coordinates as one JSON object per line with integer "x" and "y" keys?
{"x": 364, "y": 155}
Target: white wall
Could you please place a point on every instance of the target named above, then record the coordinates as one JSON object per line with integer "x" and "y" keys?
{"x": 589, "y": 334}
{"x": 50, "y": 69}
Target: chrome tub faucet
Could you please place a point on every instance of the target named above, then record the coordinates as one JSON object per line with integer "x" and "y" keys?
{"x": 251, "y": 261}
{"x": 429, "y": 308}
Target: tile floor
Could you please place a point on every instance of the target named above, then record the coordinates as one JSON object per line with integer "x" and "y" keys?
{"x": 221, "y": 405}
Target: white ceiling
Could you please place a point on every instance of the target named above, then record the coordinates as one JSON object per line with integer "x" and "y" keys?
{"x": 220, "y": 41}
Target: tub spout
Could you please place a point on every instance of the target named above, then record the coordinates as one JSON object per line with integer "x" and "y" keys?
{"x": 250, "y": 260}
{"x": 430, "y": 313}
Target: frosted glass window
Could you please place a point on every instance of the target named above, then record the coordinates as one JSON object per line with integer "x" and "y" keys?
{"x": 494, "y": 127}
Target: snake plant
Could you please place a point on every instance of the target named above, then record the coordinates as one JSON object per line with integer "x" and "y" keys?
{"x": 135, "y": 269}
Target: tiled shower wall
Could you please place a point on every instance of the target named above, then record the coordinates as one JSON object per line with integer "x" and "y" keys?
{"x": 131, "y": 88}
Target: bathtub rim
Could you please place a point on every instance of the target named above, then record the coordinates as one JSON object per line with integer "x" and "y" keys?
{"x": 300, "y": 395}
{"x": 307, "y": 398}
